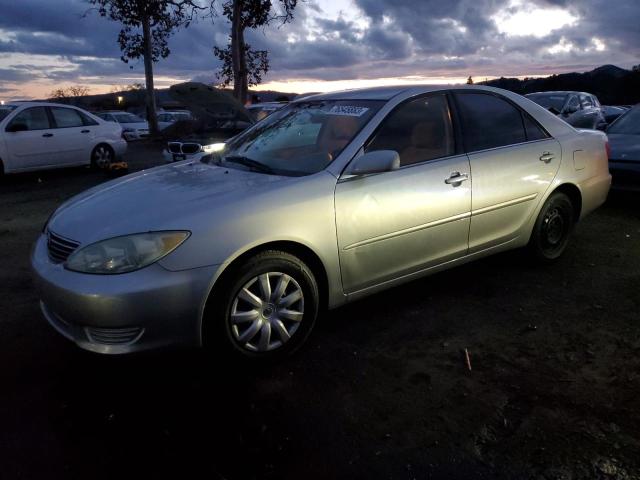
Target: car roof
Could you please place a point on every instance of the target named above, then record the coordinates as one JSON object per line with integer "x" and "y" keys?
{"x": 20, "y": 103}
{"x": 389, "y": 92}
{"x": 560, "y": 92}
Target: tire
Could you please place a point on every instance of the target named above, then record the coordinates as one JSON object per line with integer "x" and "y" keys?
{"x": 102, "y": 157}
{"x": 553, "y": 228}
{"x": 249, "y": 319}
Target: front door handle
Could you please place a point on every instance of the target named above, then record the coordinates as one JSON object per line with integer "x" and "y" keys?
{"x": 85, "y": 131}
{"x": 456, "y": 178}
{"x": 47, "y": 134}
{"x": 546, "y": 157}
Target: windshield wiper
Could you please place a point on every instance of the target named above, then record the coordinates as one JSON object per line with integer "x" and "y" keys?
{"x": 248, "y": 162}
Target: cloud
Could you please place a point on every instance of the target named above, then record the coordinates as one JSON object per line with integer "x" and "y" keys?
{"x": 44, "y": 42}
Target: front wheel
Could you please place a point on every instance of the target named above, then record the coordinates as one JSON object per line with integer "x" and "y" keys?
{"x": 553, "y": 228}
{"x": 266, "y": 310}
{"x": 102, "y": 157}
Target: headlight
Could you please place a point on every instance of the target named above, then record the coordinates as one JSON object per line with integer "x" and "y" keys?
{"x": 125, "y": 254}
{"x": 214, "y": 147}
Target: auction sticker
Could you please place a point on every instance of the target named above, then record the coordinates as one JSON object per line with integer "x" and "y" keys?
{"x": 349, "y": 110}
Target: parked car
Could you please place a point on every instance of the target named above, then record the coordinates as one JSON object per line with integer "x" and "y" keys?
{"x": 167, "y": 118}
{"x": 611, "y": 112}
{"x": 260, "y": 111}
{"x": 330, "y": 199}
{"x": 624, "y": 160}
{"x": 38, "y": 135}
{"x": 205, "y": 138}
{"x": 133, "y": 126}
{"x": 578, "y": 109}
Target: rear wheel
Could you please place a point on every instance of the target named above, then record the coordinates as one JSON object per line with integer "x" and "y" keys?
{"x": 553, "y": 228}
{"x": 266, "y": 309}
{"x": 102, "y": 157}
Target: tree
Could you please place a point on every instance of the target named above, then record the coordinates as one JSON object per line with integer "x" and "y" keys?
{"x": 146, "y": 28}
{"x": 469, "y": 80}
{"x": 242, "y": 65}
{"x": 72, "y": 91}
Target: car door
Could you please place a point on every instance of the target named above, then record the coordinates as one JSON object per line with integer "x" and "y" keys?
{"x": 29, "y": 139}
{"x": 513, "y": 162}
{"x": 73, "y": 139}
{"x": 396, "y": 223}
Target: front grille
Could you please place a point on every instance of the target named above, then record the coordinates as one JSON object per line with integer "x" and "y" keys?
{"x": 114, "y": 336}
{"x": 184, "y": 148}
{"x": 59, "y": 247}
{"x": 190, "y": 148}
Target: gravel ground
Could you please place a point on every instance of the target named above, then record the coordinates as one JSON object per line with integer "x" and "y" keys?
{"x": 380, "y": 391}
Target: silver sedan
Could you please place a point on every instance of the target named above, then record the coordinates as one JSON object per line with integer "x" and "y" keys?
{"x": 332, "y": 198}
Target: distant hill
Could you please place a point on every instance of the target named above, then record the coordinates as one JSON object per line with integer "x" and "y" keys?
{"x": 612, "y": 85}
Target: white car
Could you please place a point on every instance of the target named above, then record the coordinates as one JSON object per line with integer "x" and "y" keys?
{"x": 167, "y": 118}
{"x": 38, "y": 135}
{"x": 133, "y": 126}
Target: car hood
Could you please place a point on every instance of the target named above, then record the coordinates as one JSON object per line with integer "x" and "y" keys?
{"x": 624, "y": 146}
{"x": 172, "y": 197}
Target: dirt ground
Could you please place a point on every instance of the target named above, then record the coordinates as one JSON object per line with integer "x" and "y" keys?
{"x": 380, "y": 391}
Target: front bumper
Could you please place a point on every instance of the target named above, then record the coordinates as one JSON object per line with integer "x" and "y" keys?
{"x": 142, "y": 310}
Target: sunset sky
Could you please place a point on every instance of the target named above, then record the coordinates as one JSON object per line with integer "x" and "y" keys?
{"x": 47, "y": 44}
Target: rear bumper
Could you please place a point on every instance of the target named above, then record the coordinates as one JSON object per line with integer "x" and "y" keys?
{"x": 119, "y": 147}
{"x": 594, "y": 193}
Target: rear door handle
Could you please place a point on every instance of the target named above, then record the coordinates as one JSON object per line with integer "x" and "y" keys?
{"x": 47, "y": 134}
{"x": 456, "y": 178}
{"x": 85, "y": 131}
{"x": 546, "y": 157}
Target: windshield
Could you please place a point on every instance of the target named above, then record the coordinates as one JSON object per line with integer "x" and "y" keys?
{"x": 628, "y": 124}
{"x": 302, "y": 138}
{"x": 128, "y": 118}
{"x": 6, "y": 110}
{"x": 549, "y": 101}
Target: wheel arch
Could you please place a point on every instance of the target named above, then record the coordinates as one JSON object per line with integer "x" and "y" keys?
{"x": 574, "y": 194}
{"x": 303, "y": 252}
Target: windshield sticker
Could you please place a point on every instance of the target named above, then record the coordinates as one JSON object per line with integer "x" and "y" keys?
{"x": 348, "y": 110}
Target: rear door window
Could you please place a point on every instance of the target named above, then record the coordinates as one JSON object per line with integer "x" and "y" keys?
{"x": 35, "y": 118}
{"x": 489, "y": 121}
{"x": 66, "y": 117}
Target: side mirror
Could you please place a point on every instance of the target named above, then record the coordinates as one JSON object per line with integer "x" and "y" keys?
{"x": 377, "y": 161}
{"x": 17, "y": 127}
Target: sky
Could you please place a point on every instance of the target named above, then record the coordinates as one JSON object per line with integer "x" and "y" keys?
{"x": 330, "y": 44}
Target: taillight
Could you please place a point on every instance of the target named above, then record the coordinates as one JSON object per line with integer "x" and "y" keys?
{"x": 607, "y": 148}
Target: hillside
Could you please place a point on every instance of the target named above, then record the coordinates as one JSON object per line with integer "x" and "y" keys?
{"x": 612, "y": 85}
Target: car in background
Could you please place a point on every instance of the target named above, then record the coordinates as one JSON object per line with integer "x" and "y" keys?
{"x": 578, "y": 109}
{"x": 611, "y": 112}
{"x": 39, "y": 135}
{"x": 328, "y": 200}
{"x": 167, "y": 118}
{"x": 624, "y": 159}
{"x": 260, "y": 111}
{"x": 204, "y": 139}
{"x": 133, "y": 126}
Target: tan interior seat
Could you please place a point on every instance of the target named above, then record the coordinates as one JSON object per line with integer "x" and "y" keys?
{"x": 336, "y": 133}
{"x": 427, "y": 142}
